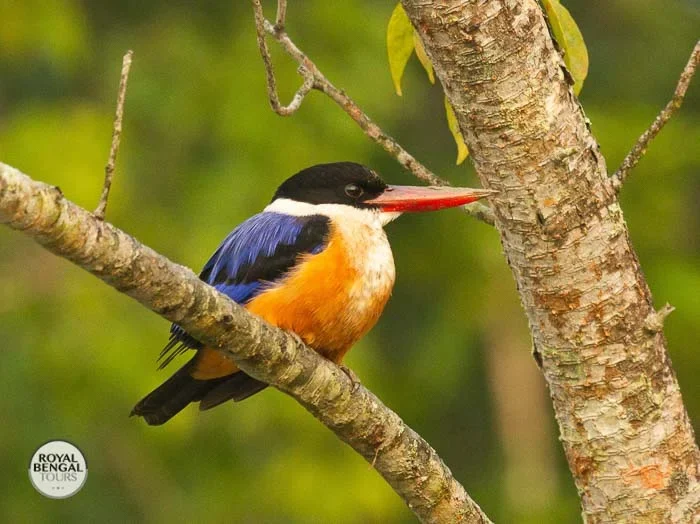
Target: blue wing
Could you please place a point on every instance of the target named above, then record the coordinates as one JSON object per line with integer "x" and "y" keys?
{"x": 257, "y": 253}
{"x": 261, "y": 250}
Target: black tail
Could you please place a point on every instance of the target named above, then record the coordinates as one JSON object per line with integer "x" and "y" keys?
{"x": 238, "y": 386}
{"x": 171, "y": 397}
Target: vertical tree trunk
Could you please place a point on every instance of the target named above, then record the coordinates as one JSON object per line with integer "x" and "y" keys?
{"x": 599, "y": 340}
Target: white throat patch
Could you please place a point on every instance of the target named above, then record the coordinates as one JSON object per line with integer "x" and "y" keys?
{"x": 370, "y": 217}
{"x": 366, "y": 243}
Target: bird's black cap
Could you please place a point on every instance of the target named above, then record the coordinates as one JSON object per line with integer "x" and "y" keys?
{"x": 337, "y": 183}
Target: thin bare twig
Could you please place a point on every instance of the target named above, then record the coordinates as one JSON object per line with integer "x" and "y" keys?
{"x": 309, "y": 70}
{"x": 116, "y": 136}
{"x": 281, "y": 14}
{"x": 640, "y": 148}
{"x": 309, "y": 80}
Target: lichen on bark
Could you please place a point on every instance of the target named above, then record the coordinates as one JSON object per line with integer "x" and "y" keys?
{"x": 623, "y": 425}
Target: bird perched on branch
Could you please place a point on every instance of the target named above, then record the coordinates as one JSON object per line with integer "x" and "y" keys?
{"x": 315, "y": 262}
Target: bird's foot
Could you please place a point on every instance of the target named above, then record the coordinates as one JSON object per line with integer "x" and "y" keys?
{"x": 352, "y": 376}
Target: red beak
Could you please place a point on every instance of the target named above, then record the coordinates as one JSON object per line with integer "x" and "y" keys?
{"x": 431, "y": 198}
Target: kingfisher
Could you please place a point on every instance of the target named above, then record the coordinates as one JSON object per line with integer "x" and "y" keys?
{"x": 315, "y": 262}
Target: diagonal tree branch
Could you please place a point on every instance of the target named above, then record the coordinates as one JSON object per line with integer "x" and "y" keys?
{"x": 640, "y": 148}
{"x": 314, "y": 78}
{"x": 408, "y": 463}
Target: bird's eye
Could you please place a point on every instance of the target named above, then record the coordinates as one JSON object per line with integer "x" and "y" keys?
{"x": 353, "y": 191}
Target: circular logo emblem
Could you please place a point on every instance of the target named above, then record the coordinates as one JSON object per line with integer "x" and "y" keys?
{"x": 58, "y": 469}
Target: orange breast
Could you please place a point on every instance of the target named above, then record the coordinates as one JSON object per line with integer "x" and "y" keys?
{"x": 319, "y": 301}
{"x": 330, "y": 300}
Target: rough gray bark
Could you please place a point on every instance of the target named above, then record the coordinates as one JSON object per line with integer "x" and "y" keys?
{"x": 408, "y": 463}
{"x": 624, "y": 428}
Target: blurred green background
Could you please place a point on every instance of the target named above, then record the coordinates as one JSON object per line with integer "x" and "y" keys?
{"x": 201, "y": 151}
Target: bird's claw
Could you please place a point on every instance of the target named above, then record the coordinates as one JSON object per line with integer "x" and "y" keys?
{"x": 352, "y": 376}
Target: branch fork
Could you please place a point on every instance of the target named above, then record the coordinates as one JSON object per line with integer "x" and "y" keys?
{"x": 116, "y": 136}
{"x": 640, "y": 148}
{"x": 315, "y": 79}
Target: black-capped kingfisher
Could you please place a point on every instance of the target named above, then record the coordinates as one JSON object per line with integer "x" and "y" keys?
{"x": 315, "y": 261}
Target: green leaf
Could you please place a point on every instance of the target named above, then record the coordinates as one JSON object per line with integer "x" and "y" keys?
{"x": 423, "y": 57}
{"x": 462, "y": 151}
{"x": 569, "y": 37}
{"x": 399, "y": 44}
